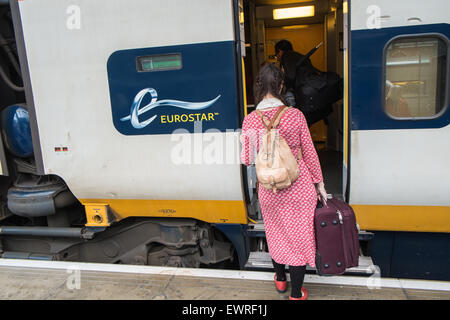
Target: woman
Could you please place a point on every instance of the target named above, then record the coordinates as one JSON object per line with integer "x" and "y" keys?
{"x": 288, "y": 214}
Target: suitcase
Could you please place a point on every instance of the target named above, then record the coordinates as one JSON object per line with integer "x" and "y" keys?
{"x": 337, "y": 240}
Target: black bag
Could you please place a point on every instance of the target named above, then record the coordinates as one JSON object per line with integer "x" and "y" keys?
{"x": 315, "y": 91}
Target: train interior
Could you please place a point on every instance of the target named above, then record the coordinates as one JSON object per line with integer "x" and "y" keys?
{"x": 326, "y": 26}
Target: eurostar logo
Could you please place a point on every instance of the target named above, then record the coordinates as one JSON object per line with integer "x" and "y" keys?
{"x": 137, "y": 110}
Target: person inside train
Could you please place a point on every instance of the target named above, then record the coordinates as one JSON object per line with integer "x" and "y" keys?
{"x": 308, "y": 88}
{"x": 288, "y": 59}
{"x": 395, "y": 104}
{"x": 289, "y": 213}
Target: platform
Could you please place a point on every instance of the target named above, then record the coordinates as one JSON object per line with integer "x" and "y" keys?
{"x": 44, "y": 280}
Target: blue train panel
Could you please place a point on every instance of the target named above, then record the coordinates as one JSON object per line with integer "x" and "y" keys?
{"x": 417, "y": 255}
{"x": 368, "y": 77}
{"x": 159, "y": 90}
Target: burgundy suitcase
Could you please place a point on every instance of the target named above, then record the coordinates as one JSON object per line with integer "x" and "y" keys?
{"x": 337, "y": 240}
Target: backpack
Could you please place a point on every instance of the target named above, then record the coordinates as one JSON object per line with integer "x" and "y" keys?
{"x": 276, "y": 166}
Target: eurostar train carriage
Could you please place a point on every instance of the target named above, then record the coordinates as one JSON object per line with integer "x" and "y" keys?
{"x": 120, "y": 128}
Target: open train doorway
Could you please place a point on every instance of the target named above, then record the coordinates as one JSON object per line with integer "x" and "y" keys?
{"x": 320, "y": 23}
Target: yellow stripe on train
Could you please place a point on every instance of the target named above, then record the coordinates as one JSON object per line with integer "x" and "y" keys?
{"x": 212, "y": 211}
{"x": 403, "y": 218}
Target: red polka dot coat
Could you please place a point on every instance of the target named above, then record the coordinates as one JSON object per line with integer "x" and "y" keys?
{"x": 288, "y": 214}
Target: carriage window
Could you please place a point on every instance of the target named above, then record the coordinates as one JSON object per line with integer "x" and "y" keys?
{"x": 163, "y": 62}
{"x": 416, "y": 72}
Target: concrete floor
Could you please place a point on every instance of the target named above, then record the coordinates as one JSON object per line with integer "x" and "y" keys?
{"x": 20, "y": 283}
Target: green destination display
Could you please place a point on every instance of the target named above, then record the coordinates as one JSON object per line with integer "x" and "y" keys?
{"x": 159, "y": 63}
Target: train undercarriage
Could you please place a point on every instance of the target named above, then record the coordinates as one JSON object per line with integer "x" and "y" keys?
{"x": 151, "y": 241}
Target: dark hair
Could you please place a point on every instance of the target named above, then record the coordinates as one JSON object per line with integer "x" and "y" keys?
{"x": 269, "y": 80}
{"x": 284, "y": 45}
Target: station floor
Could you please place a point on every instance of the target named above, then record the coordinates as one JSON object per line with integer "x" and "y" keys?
{"x": 39, "y": 280}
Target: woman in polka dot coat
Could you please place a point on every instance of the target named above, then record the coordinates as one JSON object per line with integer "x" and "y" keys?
{"x": 288, "y": 214}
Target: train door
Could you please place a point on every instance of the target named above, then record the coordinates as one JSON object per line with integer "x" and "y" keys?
{"x": 323, "y": 25}
{"x": 400, "y": 115}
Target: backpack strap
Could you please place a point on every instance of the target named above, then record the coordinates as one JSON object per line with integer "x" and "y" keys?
{"x": 259, "y": 113}
{"x": 275, "y": 119}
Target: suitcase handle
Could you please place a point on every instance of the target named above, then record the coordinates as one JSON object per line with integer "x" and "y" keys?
{"x": 320, "y": 203}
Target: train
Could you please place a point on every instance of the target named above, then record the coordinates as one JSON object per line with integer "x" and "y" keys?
{"x": 121, "y": 122}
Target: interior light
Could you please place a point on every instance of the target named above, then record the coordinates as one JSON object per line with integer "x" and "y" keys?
{"x": 295, "y": 27}
{"x": 294, "y": 12}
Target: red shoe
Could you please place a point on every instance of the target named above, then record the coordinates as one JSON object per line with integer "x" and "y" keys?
{"x": 280, "y": 285}
{"x": 304, "y": 295}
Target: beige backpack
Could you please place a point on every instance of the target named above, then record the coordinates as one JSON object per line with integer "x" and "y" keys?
{"x": 276, "y": 166}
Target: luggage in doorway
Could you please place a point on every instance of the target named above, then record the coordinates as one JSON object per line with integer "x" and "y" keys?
{"x": 315, "y": 94}
{"x": 316, "y": 91}
{"x": 337, "y": 241}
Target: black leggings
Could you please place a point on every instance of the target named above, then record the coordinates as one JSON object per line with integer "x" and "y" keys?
{"x": 297, "y": 276}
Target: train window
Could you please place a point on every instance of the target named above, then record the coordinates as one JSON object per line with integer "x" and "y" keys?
{"x": 162, "y": 62}
{"x": 415, "y": 77}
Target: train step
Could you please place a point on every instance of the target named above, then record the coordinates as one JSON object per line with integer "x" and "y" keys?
{"x": 262, "y": 260}
{"x": 257, "y": 230}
